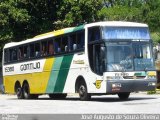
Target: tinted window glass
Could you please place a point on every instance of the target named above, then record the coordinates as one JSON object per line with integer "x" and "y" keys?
{"x": 57, "y": 45}
{"x": 26, "y": 51}
{"x": 73, "y": 42}
{"x": 80, "y": 40}
{"x": 37, "y": 49}
{"x": 50, "y": 47}
{"x": 32, "y": 50}
{"x": 20, "y": 53}
{"x": 64, "y": 46}
{"x": 13, "y": 54}
{"x": 44, "y": 48}
{"x": 93, "y": 34}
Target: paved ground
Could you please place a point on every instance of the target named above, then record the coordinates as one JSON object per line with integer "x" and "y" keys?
{"x": 137, "y": 103}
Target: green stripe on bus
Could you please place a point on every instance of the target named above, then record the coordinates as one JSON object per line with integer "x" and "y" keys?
{"x": 63, "y": 73}
{"x": 74, "y": 29}
{"x": 78, "y": 28}
{"x": 54, "y": 74}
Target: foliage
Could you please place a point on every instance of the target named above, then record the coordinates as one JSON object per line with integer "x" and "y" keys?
{"x": 12, "y": 17}
{"x": 156, "y": 37}
{"x": 74, "y": 12}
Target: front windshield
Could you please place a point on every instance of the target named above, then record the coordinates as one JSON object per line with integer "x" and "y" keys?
{"x": 128, "y": 56}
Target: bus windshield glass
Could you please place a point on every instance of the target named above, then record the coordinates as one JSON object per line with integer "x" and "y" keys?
{"x": 128, "y": 56}
{"x": 125, "y": 33}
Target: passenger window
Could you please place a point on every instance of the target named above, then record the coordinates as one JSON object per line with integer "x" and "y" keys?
{"x": 13, "y": 54}
{"x": 32, "y": 50}
{"x": 20, "y": 53}
{"x": 5, "y": 56}
{"x": 50, "y": 47}
{"x": 26, "y": 51}
{"x": 44, "y": 48}
{"x": 64, "y": 46}
{"x": 57, "y": 45}
{"x": 37, "y": 50}
{"x": 72, "y": 42}
{"x": 80, "y": 40}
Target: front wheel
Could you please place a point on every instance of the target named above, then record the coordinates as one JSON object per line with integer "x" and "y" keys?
{"x": 124, "y": 96}
{"x": 83, "y": 93}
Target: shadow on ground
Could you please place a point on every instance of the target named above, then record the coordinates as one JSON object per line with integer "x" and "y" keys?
{"x": 94, "y": 99}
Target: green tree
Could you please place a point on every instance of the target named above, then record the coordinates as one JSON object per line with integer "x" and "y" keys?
{"x": 12, "y": 20}
{"x": 74, "y": 12}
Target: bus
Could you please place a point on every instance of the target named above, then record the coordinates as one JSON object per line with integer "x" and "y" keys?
{"x": 100, "y": 58}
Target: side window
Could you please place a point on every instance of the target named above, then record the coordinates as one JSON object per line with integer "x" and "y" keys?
{"x": 80, "y": 40}
{"x": 32, "y": 50}
{"x": 44, "y": 48}
{"x": 72, "y": 42}
{"x": 57, "y": 45}
{"x": 64, "y": 46}
{"x": 5, "y": 56}
{"x": 26, "y": 52}
{"x": 13, "y": 54}
{"x": 93, "y": 34}
{"x": 20, "y": 53}
{"x": 50, "y": 47}
{"x": 37, "y": 50}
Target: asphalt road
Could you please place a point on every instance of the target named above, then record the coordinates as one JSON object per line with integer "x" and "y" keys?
{"x": 138, "y": 103}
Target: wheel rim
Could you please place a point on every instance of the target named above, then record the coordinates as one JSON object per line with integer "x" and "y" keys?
{"x": 82, "y": 90}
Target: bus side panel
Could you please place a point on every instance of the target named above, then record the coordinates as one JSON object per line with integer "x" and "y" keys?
{"x": 9, "y": 82}
{"x": 59, "y": 74}
{"x": 38, "y": 82}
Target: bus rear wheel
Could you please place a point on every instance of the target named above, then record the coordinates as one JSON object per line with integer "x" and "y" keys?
{"x": 58, "y": 96}
{"x": 83, "y": 93}
{"x": 124, "y": 96}
{"x": 26, "y": 92}
{"x": 19, "y": 91}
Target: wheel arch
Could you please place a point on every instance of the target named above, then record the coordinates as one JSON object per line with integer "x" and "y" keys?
{"x": 25, "y": 82}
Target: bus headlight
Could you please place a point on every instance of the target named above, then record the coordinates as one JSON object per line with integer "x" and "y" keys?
{"x": 151, "y": 84}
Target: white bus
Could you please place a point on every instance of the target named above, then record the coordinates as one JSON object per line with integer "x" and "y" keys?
{"x": 110, "y": 57}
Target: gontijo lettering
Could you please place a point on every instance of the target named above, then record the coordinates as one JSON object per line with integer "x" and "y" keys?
{"x": 30, "y": 66}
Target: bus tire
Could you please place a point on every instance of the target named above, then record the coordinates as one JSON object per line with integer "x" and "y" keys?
{"x": 83, "y": 93}
{"x": 124, "y": 96}
{"x": 26, "y": 92}
{"x": 19, "y": 91}
{"x": 58, "y": 96}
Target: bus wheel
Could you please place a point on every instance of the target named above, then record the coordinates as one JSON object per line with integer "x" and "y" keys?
{"x": 19, "y": 92}
{"x": 58, "y": 96}
{"x": 83, "y": 93}
{"x": 26, "y": 91}
{"x": 124, "y": 96}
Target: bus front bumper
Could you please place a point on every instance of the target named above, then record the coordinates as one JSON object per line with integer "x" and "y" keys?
{"x": 116, "y": 86}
